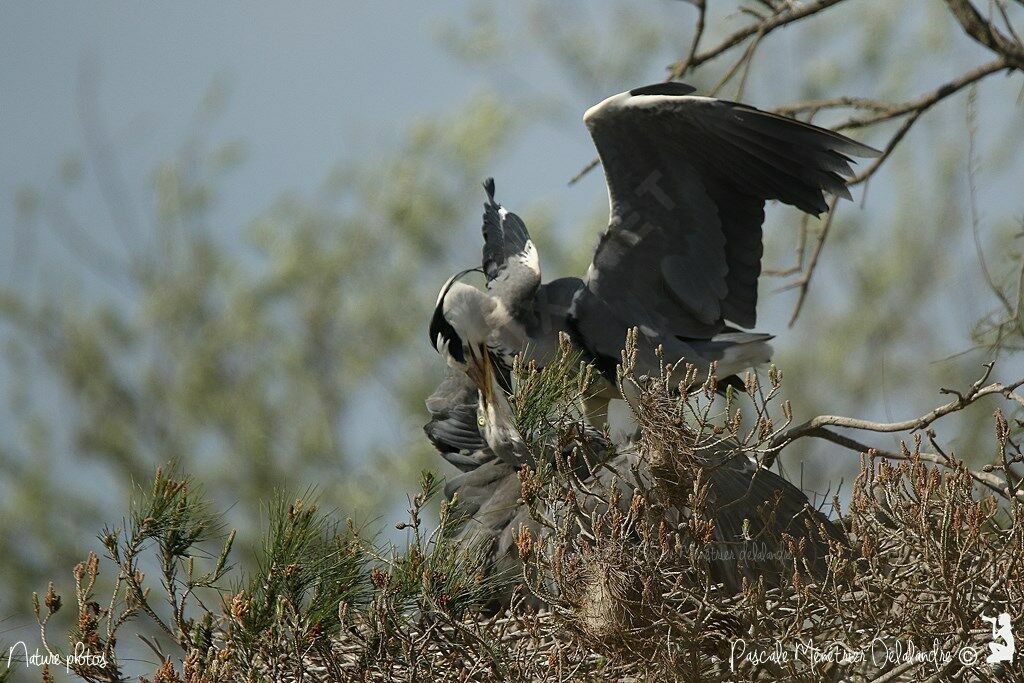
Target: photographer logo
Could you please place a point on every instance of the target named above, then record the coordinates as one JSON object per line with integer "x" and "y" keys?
{"x": 1003, "y": 645}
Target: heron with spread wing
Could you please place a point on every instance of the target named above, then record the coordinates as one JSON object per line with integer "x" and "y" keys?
{"x": 688, "y": 178}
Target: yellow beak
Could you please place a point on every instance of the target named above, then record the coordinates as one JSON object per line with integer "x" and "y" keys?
{"x": 481, "y": 372}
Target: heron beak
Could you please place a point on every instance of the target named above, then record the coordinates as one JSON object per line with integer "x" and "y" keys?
{"x": 482, "y": 372}
{"x": 488, "y": 381}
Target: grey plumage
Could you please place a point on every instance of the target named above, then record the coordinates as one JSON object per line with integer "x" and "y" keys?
{"x": 488, "y": 487}
{"x": 509, "y": 256}
{"x": 453, "y": 429}
{"x": 752, "y": 508}
{"x": 688, "y": 178}
{"x": 771, "y": 508}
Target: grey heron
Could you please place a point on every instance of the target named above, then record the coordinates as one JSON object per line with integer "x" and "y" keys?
{"x": 688, "y": 178}
{"x": 753, "y": 509}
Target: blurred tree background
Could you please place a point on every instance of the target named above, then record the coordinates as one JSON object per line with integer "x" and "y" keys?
{"x": 284, "y": 346}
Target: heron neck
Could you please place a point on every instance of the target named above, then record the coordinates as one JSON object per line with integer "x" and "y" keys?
{"x": 501, "y": 433}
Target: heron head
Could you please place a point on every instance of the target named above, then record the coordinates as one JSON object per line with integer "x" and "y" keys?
{"x": 494, "y": 414}
{"x": 492, "y": 407}
{"x": 444, "y": 336}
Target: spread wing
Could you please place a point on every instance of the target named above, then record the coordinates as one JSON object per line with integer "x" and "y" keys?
{"x": 688, "y": 178}
{"x": 510, "y": 258}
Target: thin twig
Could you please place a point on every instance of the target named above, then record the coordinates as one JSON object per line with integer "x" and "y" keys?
{"x": 698, "y": 33}
{"x": 805, "y": 280}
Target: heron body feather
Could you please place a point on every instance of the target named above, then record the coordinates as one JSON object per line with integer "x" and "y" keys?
{"x": 688, "y": 178}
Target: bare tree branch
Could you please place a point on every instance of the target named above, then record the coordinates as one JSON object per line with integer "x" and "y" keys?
{"x": 815, "y": 426}
{"x": 987, "y": 479}
{"x": 112, "y": 186}
{"x": 927, "y": 100}
{"x": 985, "y": 33}
{"x": 785, "y": 15}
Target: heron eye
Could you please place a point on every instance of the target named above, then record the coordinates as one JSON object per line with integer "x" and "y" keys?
{"x": 481, "y": 420}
